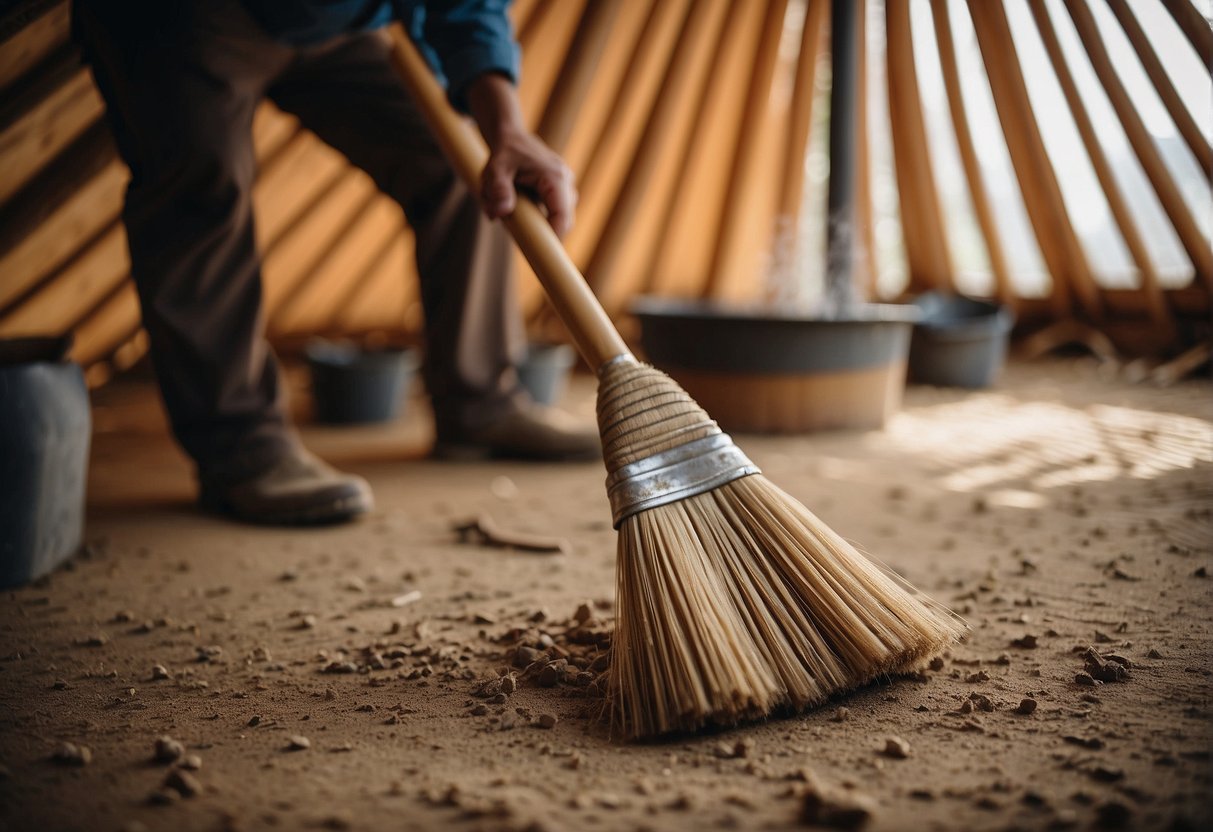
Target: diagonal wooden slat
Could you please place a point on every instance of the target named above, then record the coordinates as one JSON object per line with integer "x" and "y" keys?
{"x": 745, "y": 156}
{"x": 974, "y": 178}
{"x": 577, "y": 73}
{"x": 618, "y": 232}
{"x": 1037, "y": 178}
{"x": 1194, "y": 26}
{"x": 1180, "y": 114}
{"x": 709, "y": 81}
{"x": 926, "y": 241}
{"x": 1160, "y": 177}
{"x": 1119, "y": 206}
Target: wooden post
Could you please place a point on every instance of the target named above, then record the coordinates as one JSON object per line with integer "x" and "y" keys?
{"x": 968, "y": 154}
{"x": 1151, "y": 160}
{"x": 840, "y": 208}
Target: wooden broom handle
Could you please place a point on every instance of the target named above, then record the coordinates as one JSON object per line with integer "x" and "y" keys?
{"x": 592, "y": 330}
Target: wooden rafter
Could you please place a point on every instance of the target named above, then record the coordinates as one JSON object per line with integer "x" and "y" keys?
{"x": 1160, "y": 177}
{"x": 923, "y": 228}
{"x": 974, "y": 177}
{"x": 1119, "y": 206}
{"x": 1184, "y": 122}
{"x": 1037, "y": 179}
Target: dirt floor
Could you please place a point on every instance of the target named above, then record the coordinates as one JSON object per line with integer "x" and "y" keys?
{"x": 329, "y": 678}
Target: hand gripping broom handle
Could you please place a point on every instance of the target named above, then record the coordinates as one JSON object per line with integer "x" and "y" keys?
{"x": 595, "y": 335}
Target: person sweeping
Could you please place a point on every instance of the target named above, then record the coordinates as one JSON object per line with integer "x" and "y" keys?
{"x": 733, "y": 601}
{"x": 181, "y": 82}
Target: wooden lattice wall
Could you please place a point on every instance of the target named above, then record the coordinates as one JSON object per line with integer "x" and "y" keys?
{"x": 687, "y": 123}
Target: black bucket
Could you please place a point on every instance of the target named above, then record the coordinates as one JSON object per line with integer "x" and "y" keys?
{"x": 959, "y": 342}
{"x": 545, "y": 371}
{"x": 355, "y": 386}
{"x": 45, "y": 428}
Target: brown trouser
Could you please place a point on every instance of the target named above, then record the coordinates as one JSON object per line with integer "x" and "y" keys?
{"x": 181, "y": 81}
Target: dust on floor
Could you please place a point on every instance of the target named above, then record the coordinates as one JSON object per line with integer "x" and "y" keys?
{"x": 335, "y": 677}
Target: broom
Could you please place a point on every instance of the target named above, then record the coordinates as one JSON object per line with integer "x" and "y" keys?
{"x": 733, "y": 600}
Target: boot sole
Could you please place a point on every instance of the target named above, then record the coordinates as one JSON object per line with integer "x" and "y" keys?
{"x": 327, "y": 513}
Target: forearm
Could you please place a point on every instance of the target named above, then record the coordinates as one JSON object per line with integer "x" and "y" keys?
{"x": 493, "y": 102}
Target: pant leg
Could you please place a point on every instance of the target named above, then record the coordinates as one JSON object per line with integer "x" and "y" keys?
{"x": 181, "y": 82}
{"x": 348, "y": 93}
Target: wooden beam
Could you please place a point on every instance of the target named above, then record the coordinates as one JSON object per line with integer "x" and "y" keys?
{"x": 295, "y": 253}
{"x": 43, "y": 118}
{"x": 115, "y": 321}
{"x": 865, "y": 214}
{"x": 543, "y": 54}
{"x": 79, "y": 291}
{"x": 974, "y": 177}
{"x": 617, "y": 142}
{"x": 709, "y": 81}
{"x": 1180, "y": 114}
{"x": 1117, "y": 202}
{"x": 354, "y": 252}
{"x": 637, "y": 188}
{"x": 1169, "y": 195}
{"x": 577, "y": 73}
{"x": 380, "y": 297}
{"x": 1046, "y": 208}
{"x": 74, "y": 200}
{"x": 791, "y": 193}
{"x": 32, "y": 44}
{"x": 749, "y": 132}
{"x": 684, "y": 258}
{"x": 923, "y": 227}
{"x": 1194, "y": 26}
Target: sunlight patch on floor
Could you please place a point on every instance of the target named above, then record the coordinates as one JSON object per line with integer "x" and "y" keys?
{"x": 994, "y": 441}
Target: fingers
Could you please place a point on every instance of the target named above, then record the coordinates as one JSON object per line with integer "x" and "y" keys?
{"x": 540, "y": 172}
{"x": 558, "y": 195}
{"x": 497, "y": 187}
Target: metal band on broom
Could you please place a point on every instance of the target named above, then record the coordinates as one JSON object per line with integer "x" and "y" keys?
{"x": 733, "y": 600}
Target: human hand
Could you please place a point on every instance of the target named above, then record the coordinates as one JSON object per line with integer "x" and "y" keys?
{"x": 520, "y": 160}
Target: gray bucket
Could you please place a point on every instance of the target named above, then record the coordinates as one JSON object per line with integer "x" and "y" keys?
{"x": 45, "y": 428}
{"x": 545, "y": 371}
{"x": 777, "y": 370}
{"x": 959, "y": 342}
{"x": 355, "y": 386}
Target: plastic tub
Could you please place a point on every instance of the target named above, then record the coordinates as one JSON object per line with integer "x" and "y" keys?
{"x": 959, "y": 342}
{"x": 545, "y": 371}
{"x": 45, "y": 428}
{"x": 355, "y": 386}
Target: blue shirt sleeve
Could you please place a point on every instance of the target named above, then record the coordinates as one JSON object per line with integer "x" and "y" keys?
{"x": 467, "y": 38}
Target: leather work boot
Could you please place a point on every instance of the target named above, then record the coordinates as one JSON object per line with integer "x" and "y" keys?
{"x": 299, "y": 489}
{"x": 526, "y": 431}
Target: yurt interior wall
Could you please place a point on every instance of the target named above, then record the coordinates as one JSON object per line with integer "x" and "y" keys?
{"x": 1054, "y": 155}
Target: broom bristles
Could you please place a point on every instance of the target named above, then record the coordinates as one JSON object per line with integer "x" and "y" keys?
{"x": 739, "y": 601}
